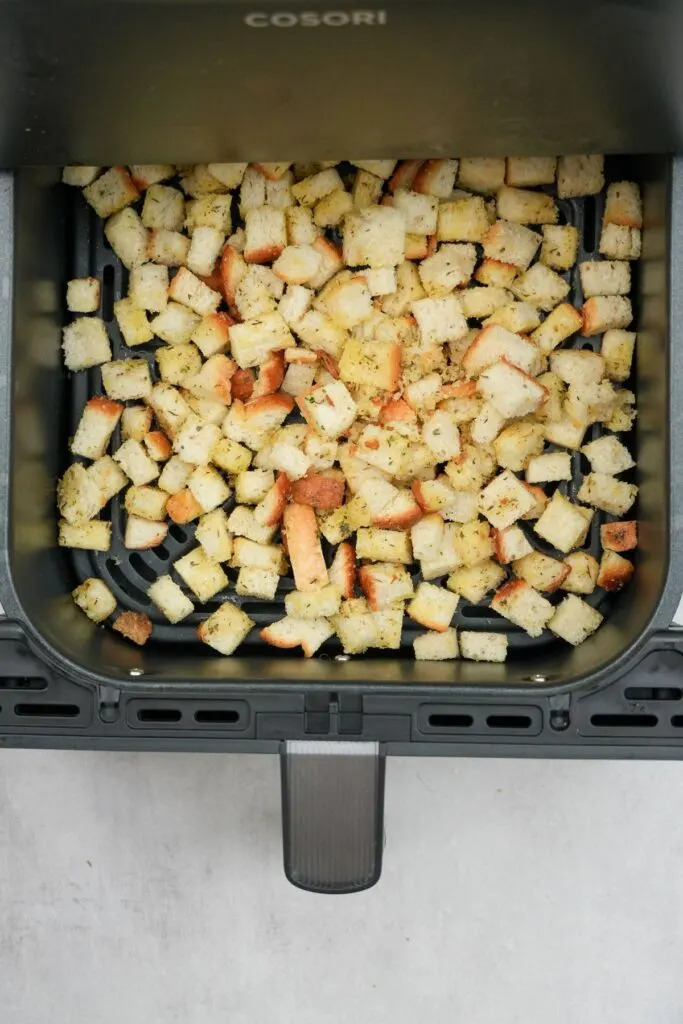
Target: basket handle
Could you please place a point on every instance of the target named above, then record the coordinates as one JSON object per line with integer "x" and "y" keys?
{"x": 332, "y": 814}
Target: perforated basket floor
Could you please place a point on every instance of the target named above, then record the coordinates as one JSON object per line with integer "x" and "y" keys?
{"x": 130, "y": 573}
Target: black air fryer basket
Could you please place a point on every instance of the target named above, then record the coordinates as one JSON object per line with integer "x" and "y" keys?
{"x": 66, "y": 683}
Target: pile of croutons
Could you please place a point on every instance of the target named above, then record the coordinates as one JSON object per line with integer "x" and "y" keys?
{"x": 360, "y": 370}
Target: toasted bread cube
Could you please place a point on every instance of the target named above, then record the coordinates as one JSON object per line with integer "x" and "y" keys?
{"x": 318, "y": 604}
{"x": 136, "y": 463}
{"x": 311, "y": 190}
{"x": 303, "y": 546}
{"x": 252, "y": 486}
{"x": 462, "y": 220}
{"x": 178, "y": 362}
{"x": 208, "y": 488}
{"x": 427, "y": 536}
{"x": 439, "y": 319}
{"x": 243, "y": 523}
{"x": 579, "y": 176}
{"x": 158, "y": 445}
{"x": 85, "y": 343}
{"x": 95, "y": 599}
{"x": 258, "y": 555}
{"x": 617, "y": 350}
{"x": 482, "y": 646}
{"x": 560, "y": 246}
{"x": 615, "y": 571}
{"x": 608, "y": 455}
{"x": 189, "y": 291}
{"x": 175, "y": 324}
{"x": 126, "y": 379}
{"x": 449, "y": 555}
{"x": 527, "y": 171}
{"x": 290, "y": 460}
{"x": 349, "y": 302}
{"x": 94, "y": 535}
{"x": 253, "y": 340}
{"x": 298, "y": 379}
{"x": 478, "y": 303}
{"x": 441, "y": 434}
{"x": 559, "y": 325}
{"x": 163, "y": 209}
{"x": 381, "y": 168}
{"x": 213, "y": 381}
{"x": 419, "y": 211}
{"x": 388, "y": 624}
{"x": 562, "y": 524}
{"x": 108, "y": 477}
{"x": 211, "y": 334}
{"x": 475, "y": 581}
{"x": 620, "y": 243}
{"x": 209, "y": 212}
{"x": 606, "y": 312}
{"x": 331, "y": 210}
{"x": 290, "y": 632}
{"x": 518, "y": 317}
{"x": 133, "y": 323}
{"x": 496, "y": 273}
{"x": 510, "y": 544}
{"x": 295, "y": 304}
{"x": 170, "y": 408}
{"x": 229, "y": 175}
{"x": 379, "y": 545}
{"x": 169, "y": 248}
{"x": 385, "y": 584}
{"x": 433, "y": 646}
{"x": 252, "y": 190}
{"x": 565, "y": 432}
{"x": 205, "y": 249}
{"x": 541, "y": 287}
{"x": 319, "y": 332}
{"x": 257, "y": 583}
{"x": 376, "y": 365}
{"x": 473, "y": 542}
{"x": 329, "y": 409}
{"x": 128, "y": 237}
{"x": 549, "y": 467}
{"x": 111, "y": 192}
{"x": 522, "y": 207}
{"x": 266, "y": 232}
{"x": 619, "y": 536}
{"x": 297, "y": 264}
{"x": 505, "y": 500}
{"x": 578, "y": 367}
{"x": 367, "y": 189}
{"x": 225, "y": 629}
{"x": 83, "y": 295}
{"x": 605, "y": 277}
{"x": 135, "y": 626}
{"x": 450, "y": 267}
{"x": 213, "y": 534}
{"x": 574, "y": 620}
{"x": 79, "y": 175}
{"x": 608, "y": 494}
{"x": 195, "y": 440}
{"x": 170, "y": 599}
{"x": 279, "y": 193}
{"x": 374, "y": 237}
{"x": 142, "y": 534}
{"x": 355, "y": 626}
{"x": 148, "y": 175}
{"x": 98, "y": 422}
{"x": 510, "y": 391}
{"x": 230, "y": 456}
{"x": 301, "y": 230}
{"x": 432, "y": 177}
{"x": 541, "y": 572}
{"x": 203, "y": 576}
{"x": 523, "y": 606}
{"x": 342, "y": 572}
{"x": 136, "y": 422}
{"x": 511, "y": 244}
{"x": 146, "y": 502}
{"x": 433, "y": 607}
{"x": 623, "y": 205}
{"x": 517, "y": 444}
{"x": 494, "y": 343}
{"x": 583, "y": 573}
{"x": 481, "y": 174}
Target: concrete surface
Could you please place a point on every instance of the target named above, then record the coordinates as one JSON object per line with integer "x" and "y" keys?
{"x": 147, "y": 889}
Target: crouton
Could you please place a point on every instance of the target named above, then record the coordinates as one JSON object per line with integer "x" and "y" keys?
{"x": 518, "y": 317}
{"x": 433, "y": 607}
{"x": 208, "y": 488}
{"x": 252, "y": 486}
{"x": 374, "y": 237}
{"x": 342, "y": 572}
{"x": 605, "y": 277}
{"x": 511, "y": 244}
{"x": 604, "y": 492}
{"x": 311, "y": 190}
{"x": 486, "y": 425}
{"x": 517, "y": 444}
{"x": 178, "y": 362}
{"x": 583, "y": 573}
{"x": 549, "y": 467}
{"x": 303, "y": 545}
{"x": 253, "y": 340}
{"x": 475, "y": 581}
{"x": 257, "y": 583}
{"x": 574, "y": 620}
{"x": 419, "y": 211}
{"x": 126, "y": 379}
{"x": 266, "y": 232}
{"x": 432, "y": 177}
{"x": 505, "y": 500}
{"x": 133, "y": 323}
{"x": 257, "y": 554}
{"x": 494, "y": 343}
{"x": 510, "y": 545}
{"x": 481, "y": 174}
{"x": 128, "y": 237}
{"x": 367, "y": 189}
{"x": 483, "y": 646}
{"x": 559, "y": 325}
{"x": 565, "y": 432}
{"x": 290, "y": 632}
{"x": 194, "y": 440}
{"x": 175, "y": 324}
{"x": 496, "y": 273}
{"x": 527, "y": 171}
{"x": 427, "y": 537}
{"x": 203, "y": 576}
{"x": 189, "y": 291}
{"x": 252, "y": 190}
{"x": 541, "y": 572}
{"x": 478, "y": 303}
{"x": 136, "y": 463}
{"x": 385, "y": 584}
{"x": 94, "y": 535}
{"x": 94, "y": 597}
{"x": 615, "y": 571}
{"x": 322, "y": 603}
{"x": 297, "y": 264}
{"x": 608, "y": 455}
{"x": 378, "y": 545}
{"x": 148, "y": 287}
{"x": 331, "y": 210}
{"x": 381, "y": 281}
{"x": 348, "y": 302}
{"x": 319, "y": 490}
{"x": 108, "y": 477}
{"x": 230, "y": 456}
{"x": 111, "y": 192}
{"x": 435, "y": 646}
{"x": 142, "y": 534}
{"x": 510, "y": 391}
{"x": 170, "y": 408}
{"x": 450, "y": 267}
{"x": 433, "y": 495}
{"x": 148, "y": 175}
{"x": 523, "y": 606}
{"x": 98, "y": 421}
{"x": 135, "y": 626}
{"x": 623, "y": 205}
{"x": 229, "y": 175}
{"x": 170, "y": 599}
{"x": 604, "y": 313}
{"x": 163, "y": 209}
{"x": 560, "y": 246}
{"x": 562, "y": 523}
{"x": 168, "y": 247}
{"x": 441, "y": 434}
{"x": 540, "y": 286}
{"x": 225, "y": 629}
{"x": 377, "y": 365}
{"x": 146, "y": 502}
{"x": 243, "y": 523}
{"x": 523, "y": 207}
{"x": 617, "y": 350}
{"x": 439, "y": 319}
{"x": 381, "y": 168}
{"x": 355, "y": 626}
{"x": 204, "y": 250}
{"x": 79, "y": 175}
{"x": 619, "y": 536}
{"x": 83, "y": 295}
{"x": 329, "y": 409}
{"x": 579, "y": 176}
{"x": 213, "y": 534}
{"x": 620, "y": 243}
{"x": 85, "y": 343}
{"x": 462, "y": 220}
{"x": 580, "y": 367}
{"x": 403, "y": 176}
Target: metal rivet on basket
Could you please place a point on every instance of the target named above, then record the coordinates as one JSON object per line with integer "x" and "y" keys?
{"x": 342, "y": 657}
{"x": 136, "y": 671}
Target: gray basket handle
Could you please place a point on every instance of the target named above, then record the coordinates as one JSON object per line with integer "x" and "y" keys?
{"x": 332, "y": 814}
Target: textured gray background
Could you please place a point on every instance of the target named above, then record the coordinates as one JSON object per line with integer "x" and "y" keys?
{"x": 147, "y": 889}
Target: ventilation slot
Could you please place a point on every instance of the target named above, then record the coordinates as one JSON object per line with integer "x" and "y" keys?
{"x": 124, "y": 584}
{"x": 653, "y": 693}
{"x": 216, "y": 716}
{"x": 142, "y": 569}
{"x": 625, "y": 721}
{"x": 589, "y": 225}
{"x": 677, "y": 721}
{"x": 159, "y": 715}
{"x": 451, "y": 721}
{"x": 108, "y": 296}
{"x": 22, "y": 683}
{"x": 47, "y": 710}
{"x": 508, "y": 722}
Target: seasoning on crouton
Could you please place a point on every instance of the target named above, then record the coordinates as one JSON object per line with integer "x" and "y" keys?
{"x": 583, "y": 573}
{"x": 527, "y": 171}
{"x": 606, "y": 493}
{"x": 203, "y": 576}
{"x": 94, "y": 535}
{"x": 142, "y": 534}
{"x": 225, "y": 629}
{"x": 511, "y": 244}
{"x": 374, "y": 237}
{"x": 170, "y": 599}
{"x": 79, "y": 175}
{"x": 541, "y": 287}
{"x": 621, "y": 536}
{"x": 146, "y": 502}
{"x": 257, "y": 583}
{"x": 436, "y": 646}
{"x": 355, "y": 626}
{"x": 187, "y": 289}
{"x": 494, "y": 343}
{"x": 510, "y": 544}
{"x": 505, "y": 500}
{"x": 541, "y": 571}
{"x": 169, "y": 248}
{"x": 574, "y": 620}
{"x": 615, "y": 571}
{"x": 83, "y": 295}
{"x": 94, "y": 597}
{"x": 549, "y": 467}
{"x": 342, "y": 572}
{"x": 579, "y": 176}
{"x": 303, "y": 546}
{"x": 511, "y": 391}
{"x": 605, "y": 277}
{"x": 135, "y": 626}
{"x": 524, "y": 207}
{"x": 560, "y": 246}
{"x": 128, "y": 237}
{"x": 481, "y": 174}
{"x": 603, "y": 313}
{"x": 483, "y": 646}
{"x": 617, "y": 350}
{"x": 78, "y": 497}
{"x": 111, "y": 191}
{"x": 126, "y": 379}
{"x": 608, "y": 455}
{"x": 329, "y": 409}
{"x": 98, "y": 422}
{"x": 378, "y": 545}
{"x": 623, "y": 205}
{"x": 433, "y": 607}
{"x": 384, "y": 584}
{"x": 175, "y": 325}
{"x": 108, "y": 477}
{"x": 563, "y": 524}
{"x": 524, "y": 606}
{"x": 85, "y": 343}
{"x": 474, "y": 582}
{"x": 620, "y": 243}
{"x": 559, "y": 325}
{"x": 464, "y": 219}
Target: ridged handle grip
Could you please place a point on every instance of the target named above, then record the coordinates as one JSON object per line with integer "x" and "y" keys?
{"x": 332, "y": 814}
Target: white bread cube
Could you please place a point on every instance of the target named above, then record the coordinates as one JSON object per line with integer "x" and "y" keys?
{"x": 510, "y": 544}
{"x": 553, "y": 407}
{"x": 250, "y": 424}
{"x": 433, "y": 607}
{"x": 148, "y": 175}
{"x": 505, "y": 500}
{"x": 79, "y": 175}
{"x": 374, "y": 237}
{"x": 563, "y": 524}
{"x": 191, "y": 292}
{"x": 230, "y": 456}
{"x": 290, "y": 460}
{"x": 524, "y": 606}
{"x": 355, "y": 626}
{"x": 252, "y": 294}
{"x": 574, "y": 620}
{"x": 518, "y": 443}
{"x": 142, "y": 534}
{"x": 518, "y": 317}
{"x": 85, "y": 343}
{"x": 108, "y": 477}
{"x": 527, "y": 171}
{"x": 318, "y": 331}
{"x": 496, "y": 342}
{"x": 83, "y": 295}
{"x": 311, "y": 190}
{"x": 450, "y": 267}
{"x": 376, "y": 365}
{"x": 111, "y": 192}
{"x": 473, "y": 542}
{"x": 204, "y": 250}
{"x": 174, "y": 475}
{"x": 624, "y": 411}
{"x": 608, "y": 455}
{"x": 258, "y": 555}
{"x": 385, "y": 585}
{"x": 175, "y": 325}
{"x": 475, "y": 581}
{"x": 462, "y": 220}
{"x": 164, "y": 208}
{"x": 168, "y": 247}
{"x": 565, "y": 432}
{"x": 379, "y": 545}
{"x": 128, "y": 237}
{"x": 511, "y": 243}
{"x": 483, "y": 646}
{"x": 133, "y": 323}
{"x": 127, "y": 379}
{"x": 322, "y": 603}
{"x": 87, "y": 536}
{"x": 208, "y": 488}
{"x": 349, "y": 303}
{"x": 481, "y": 302}
{"x": 620, "y": 243}
{"x": 146, "y": 502}
{"x": 211, "y": 334}
{"x": 482, "y": 174}
{"x": 604, "y": 492}
{"x": 329, "y": 409}
{"x": 338, "y": 525}
{"x": 435, "y": 177}
{"x": 78, "y": 496}
{"x": 434, "y": 646}
{"x": 214, "y": 536}
{"x": 170, "y": 599}
{"x": 331, "y": 210}
{"x": 408, "y": 289}
{"x": 617, "y": 350}
{"x": 297, "y": 264}
{"x": 136, "y": 463}
{"x": 381, "y": 168}
{"x": 366, "y": 190}
{"x": 94, "y": 597}
{"x": 549, "y": 467}
{"x": 148, "y": 287}
{"x": 213, "y": 382}
{"x": 178, "y": 362}
{"x": 472, "y": 469}
{"x": 225, "y": 629}
{"x": 98, "y": 421}
{"x": 158, "y": 445}
{"x": 427, "y": 537}
{"x": 252, "y": 486}
{"x": 257, "y": 583}
{"x": 540, "y": 286}
{"x": 203, "y": 576}
{"x": 583, "y": 573}
{"x": 195, "y": 440}
{"x": 209, "y": 212}
{"x": 441, "y": 434}
{"x": 511, "y": 391}
{"x": 541, "y": 571}
{"x": 279, "y": 193}
{"x": 623, "y": 205}
{"x": 136, "y": 422}
{"x": 229, "y": 175}
{"x": 560, "y": 246}
{"x": 433, "y": 495}
{"x": 253, "y": 340}
{"x": 496, "y": 273}
{"x": 419, "y": 211}
{"x": 524, "y": 207}
{"x": 389, "y": 626}
{"x": 252, "y": 190}
{"x": 290, "y": 632}
{"x": 266, "y": 234}
{"x": 559, "y": 325}
{"x": 614, "y": 572}
{"x": 323, "y": 454}
{"x": 580, "y": 176}
{"x": 580, "y": 367}
{"x": 170, "y": 408}
{"x": 422, "y": 395}
{"x": 439, "y": 319}
{"x": 381, "y": 281}
{"x": 301, "y": 229}
{"x": 605, "y": 277}
{"x": 243, "y": 523}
